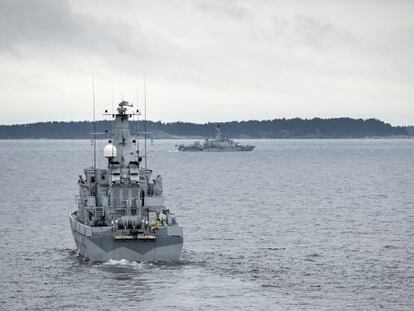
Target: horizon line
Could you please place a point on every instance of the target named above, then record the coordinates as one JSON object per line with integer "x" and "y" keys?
{"x": 209, "y": 122}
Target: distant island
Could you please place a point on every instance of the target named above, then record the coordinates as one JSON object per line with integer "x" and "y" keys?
{"x": 277, "y": 128}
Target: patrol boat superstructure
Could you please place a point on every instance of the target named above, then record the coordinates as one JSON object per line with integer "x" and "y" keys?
{"x": 120, "y": 212}
{"x": 219, "y": 143}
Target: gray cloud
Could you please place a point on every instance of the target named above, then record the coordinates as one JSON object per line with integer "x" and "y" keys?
{"x": 311, "y": 31}
{"x": 46, "y": 24}
{"x": 51, "y": 30}
{"x": 225, "y": 9}
{"x": 288, "y": 58}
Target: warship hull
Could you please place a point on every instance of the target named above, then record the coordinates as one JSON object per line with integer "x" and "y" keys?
{"x": 219, "y": 144}
{"x": 99, "y": 244}
{"x": 226, "y": 149}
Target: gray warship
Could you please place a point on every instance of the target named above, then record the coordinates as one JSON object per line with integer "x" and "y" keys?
{"x": 219, "y": 143}
{"x": 120, "y": 211}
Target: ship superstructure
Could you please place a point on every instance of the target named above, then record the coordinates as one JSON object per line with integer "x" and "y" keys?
{"x": 219, "y": 143}
{"x": 120, "y": 210}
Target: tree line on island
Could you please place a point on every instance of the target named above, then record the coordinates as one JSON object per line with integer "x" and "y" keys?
{"x": 277, "y": 128}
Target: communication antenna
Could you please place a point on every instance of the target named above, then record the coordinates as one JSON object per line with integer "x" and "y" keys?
{"x": 137, "y": 122}
{"x": 94, "y": 122}
{"x": 113, "y": 111}
{"x": 145, "y": 124}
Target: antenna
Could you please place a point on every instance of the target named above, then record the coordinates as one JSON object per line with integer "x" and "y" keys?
{"x": 145, "y": 123}
{"x": 137, "y": 122}
{"x": 94, "y": 123}
{"x": 113, "y": 101}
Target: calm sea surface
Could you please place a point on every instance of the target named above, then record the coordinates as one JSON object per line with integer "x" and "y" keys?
{"x": 293, "y": 225}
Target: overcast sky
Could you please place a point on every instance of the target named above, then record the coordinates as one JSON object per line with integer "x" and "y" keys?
{"x": 208, "y": 60}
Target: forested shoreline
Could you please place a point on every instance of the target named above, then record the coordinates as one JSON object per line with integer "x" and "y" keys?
{"x": 277, "y": 128}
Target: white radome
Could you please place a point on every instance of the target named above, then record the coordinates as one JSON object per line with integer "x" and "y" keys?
{"x": 109, "y": 151}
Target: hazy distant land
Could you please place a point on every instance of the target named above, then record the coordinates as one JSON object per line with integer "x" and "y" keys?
{"x": 277, "y": 128}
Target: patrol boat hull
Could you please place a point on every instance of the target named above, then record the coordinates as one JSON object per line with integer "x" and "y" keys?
{"x": 99, "y": 244}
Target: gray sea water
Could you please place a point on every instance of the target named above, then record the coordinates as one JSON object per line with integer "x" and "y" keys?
{"x": 293, "y": 225}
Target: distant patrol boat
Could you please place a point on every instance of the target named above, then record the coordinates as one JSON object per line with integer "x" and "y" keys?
{"x": 219, "y": 143}
{"x": 120, "y": 212}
